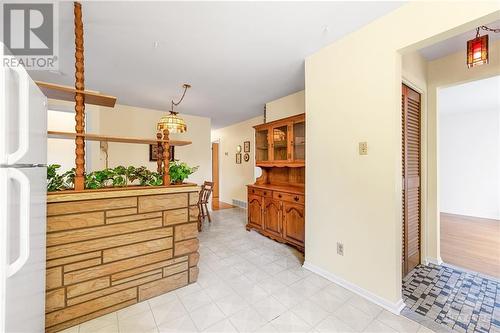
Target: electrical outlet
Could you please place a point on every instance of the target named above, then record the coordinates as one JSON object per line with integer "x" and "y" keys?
{"x": 363, "y": 148}
{"x": 340, "y": 248}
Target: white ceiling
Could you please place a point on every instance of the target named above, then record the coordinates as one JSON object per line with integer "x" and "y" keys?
{"x": 236, "y": 55}
{"x": 475, "y": 96}
{"x": 457, "y": 43}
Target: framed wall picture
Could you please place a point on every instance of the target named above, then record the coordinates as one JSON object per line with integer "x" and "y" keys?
{"x": 153, "y": 153}
{"x": 246, "y": 157}
{"x": 246, "y": 146}
{"x": 238, "y": 158}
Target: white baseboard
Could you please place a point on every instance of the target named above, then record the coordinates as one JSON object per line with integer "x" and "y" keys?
{"x": 389, "y": 306}
{"x": 435, "y": 261}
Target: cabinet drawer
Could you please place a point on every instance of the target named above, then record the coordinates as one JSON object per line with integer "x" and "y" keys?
{"x": 298, "y": 198}
{"x": 261, "y": 192}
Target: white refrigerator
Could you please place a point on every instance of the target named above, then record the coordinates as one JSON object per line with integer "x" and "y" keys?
{"x": 23, "y": 173}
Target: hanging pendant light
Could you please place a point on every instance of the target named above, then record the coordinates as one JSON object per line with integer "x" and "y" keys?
{"x": 172, "y": 122}
{"x": 477, "y": 48}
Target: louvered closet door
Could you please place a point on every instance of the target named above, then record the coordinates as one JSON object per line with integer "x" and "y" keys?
{"x": 411, "y": 178}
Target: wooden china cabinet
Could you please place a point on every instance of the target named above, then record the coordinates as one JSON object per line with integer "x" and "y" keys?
{"x": 276, "y": 202}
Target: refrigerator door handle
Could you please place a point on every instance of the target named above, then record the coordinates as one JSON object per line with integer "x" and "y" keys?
{"x": 24, "y": 135}
{"x": 24, "y": 229}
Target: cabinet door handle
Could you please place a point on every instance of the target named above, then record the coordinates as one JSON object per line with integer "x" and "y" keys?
{"x": 296, "y": 198}
{"x": 280, "y": 196}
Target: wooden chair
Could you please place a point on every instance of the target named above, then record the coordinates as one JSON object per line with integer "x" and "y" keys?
{"x": 206, "y": 190}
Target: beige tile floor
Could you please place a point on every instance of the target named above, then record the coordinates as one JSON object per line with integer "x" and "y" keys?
{"x": 248, "y": 283}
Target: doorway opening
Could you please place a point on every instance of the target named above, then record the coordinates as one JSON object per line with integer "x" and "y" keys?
{"x": 469, "y": 176}
{"x": 216, "y": 203}
{"x": 447, "y": 282}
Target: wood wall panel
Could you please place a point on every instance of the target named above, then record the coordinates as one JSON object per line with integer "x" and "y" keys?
{"x": 175, "y": 216}
{"x": 85, "y": 287}
{"x": 64, "y": 237}
{"x": 162, "y": 286}
{"x": 193, "y": 259}
{"x": 55, "y": 300}
{"x": 103, "y": 243}
{"x": 53, "y": 278}
{"x": 185, "y": 247}
{"x": 193, "y": 274}
{"x": 82, "y": 264}
{"x": 186, "y": 231}
{"x": 71, "y": 259}
{"x": 121, "y": 212}
{"x": 155, "y": 203}
{"x": 70, "y": 312}
{"x": 81, "y": 319}
{"x": 106, "y": 254}
{"x": 108, "y": 269}
{"x": 127, "y": 251}
{"x": 174, "y": 269}
{"x": 193, "y": 213}
{"x": 134, "y": 217}
{"x": 74, "y": 221}
{"x": 85, "y": 206}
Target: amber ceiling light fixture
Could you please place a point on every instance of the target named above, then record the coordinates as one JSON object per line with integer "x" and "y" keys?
{"x": 477, "y": 48}
{"x": 172, "y": 122}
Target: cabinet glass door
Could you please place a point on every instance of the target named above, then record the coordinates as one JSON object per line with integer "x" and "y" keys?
{"x": 299, "y": 141}
{"x": 280, "y": 143}
{"x": 261, "y": 145}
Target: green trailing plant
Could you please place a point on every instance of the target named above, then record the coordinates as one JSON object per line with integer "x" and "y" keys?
{"x": 179, "y": 171}
{"x": 117, "y": 177}
{"x": 55, "y": 182}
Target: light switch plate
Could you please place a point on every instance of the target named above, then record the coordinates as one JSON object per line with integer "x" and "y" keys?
{"x": 363, "y": 148}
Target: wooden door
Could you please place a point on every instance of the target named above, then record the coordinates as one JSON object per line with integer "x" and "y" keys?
{"x": 411, "y": 147}
{"x": 215, "y": 169}
{"x": 272, "y": 216}
{"x": 255, "y": 210}
{"x": 293, "y": 223}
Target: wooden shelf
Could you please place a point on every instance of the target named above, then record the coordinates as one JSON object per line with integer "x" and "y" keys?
{"x": 97, "y": 137}
{"x": 67, "y": 93}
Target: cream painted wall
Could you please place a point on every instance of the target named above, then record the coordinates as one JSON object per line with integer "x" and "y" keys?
{"x": 65, "y": 122}
{"x": 356, "y": 96}
{"x": 64, "y": 150}
{"x": 444, "y": 72}
{"x": 131, "y": 121}
{"x": 123, "y": 120}
{"x": 234, "y": 177}
{"x": 286, "y": 106}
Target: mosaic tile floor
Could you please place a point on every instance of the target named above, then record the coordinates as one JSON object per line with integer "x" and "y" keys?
{"x": 462, "y": 301}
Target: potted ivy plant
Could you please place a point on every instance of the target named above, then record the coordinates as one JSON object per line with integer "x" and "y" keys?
{"x": 180, "y": 171}
{"x": 117, "y": 177}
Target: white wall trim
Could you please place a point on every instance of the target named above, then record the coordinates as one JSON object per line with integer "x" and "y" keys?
{"x": 389, "y": 306}
{"x": 435, "y": 261}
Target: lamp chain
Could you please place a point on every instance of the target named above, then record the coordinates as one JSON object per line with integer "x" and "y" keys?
{"x": 186, "y": 86}
{"x": 485, "y": 28}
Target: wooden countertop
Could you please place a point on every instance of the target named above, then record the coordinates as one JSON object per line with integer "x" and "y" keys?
{"x": 281, "y": 188}
{"x": 70, "y": 195}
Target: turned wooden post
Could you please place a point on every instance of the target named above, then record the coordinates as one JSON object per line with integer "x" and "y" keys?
{"x": 159, "y": 155}
{"x": 166, "y": 158}
{"x": 79, "y": 100}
